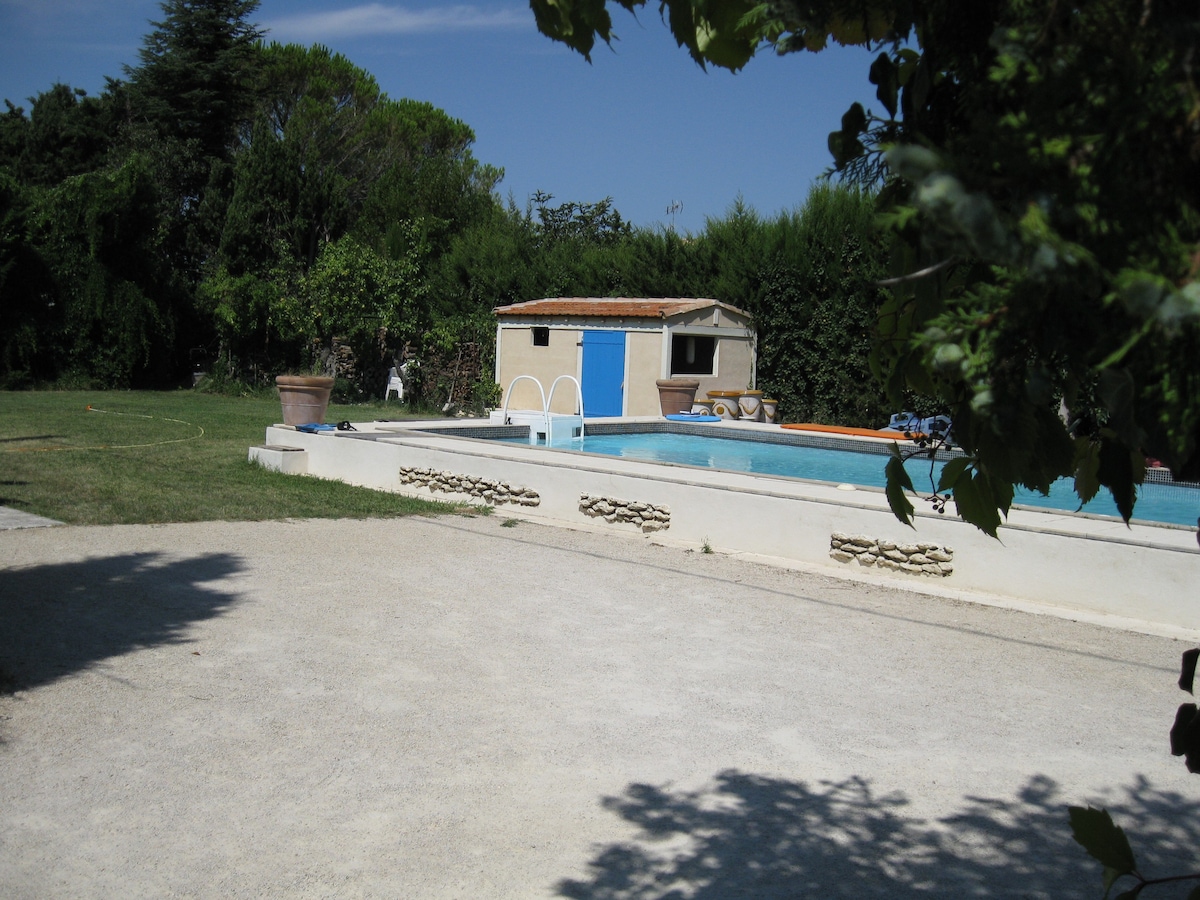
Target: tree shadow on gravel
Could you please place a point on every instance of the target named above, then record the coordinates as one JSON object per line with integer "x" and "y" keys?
{"x": 753, "y": 836}
{"x": 59, "y": 619}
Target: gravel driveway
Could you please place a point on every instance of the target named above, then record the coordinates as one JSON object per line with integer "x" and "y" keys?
{"x": 451, "y": 707}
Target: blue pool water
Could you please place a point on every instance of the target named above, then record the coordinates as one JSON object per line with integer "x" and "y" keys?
{"x": 1156, "y": 502}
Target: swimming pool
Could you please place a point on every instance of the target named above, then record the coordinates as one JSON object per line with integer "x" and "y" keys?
{"x": 1157, "y": 502}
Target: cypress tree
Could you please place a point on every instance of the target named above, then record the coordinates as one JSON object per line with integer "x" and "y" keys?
{"x": 196, "y": 80}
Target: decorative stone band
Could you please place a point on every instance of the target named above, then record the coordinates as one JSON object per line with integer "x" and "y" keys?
{"x": 494, "y": 492}
{"x": 645, "y": 516}
{"x": 916, "y": 559}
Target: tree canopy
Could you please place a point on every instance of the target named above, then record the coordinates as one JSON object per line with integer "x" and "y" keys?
{"x": 1040, "y": 166}
{"x": 198, "y": 70}
{"x": 232, "y": 204}
{"x": 311, "y": 220}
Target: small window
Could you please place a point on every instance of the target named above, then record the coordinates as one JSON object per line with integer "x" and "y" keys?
{"x": 693, "y": 354}
{"x": 541, "y": 336}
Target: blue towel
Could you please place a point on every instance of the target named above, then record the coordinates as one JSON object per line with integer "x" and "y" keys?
{"x": 316, "y": 428}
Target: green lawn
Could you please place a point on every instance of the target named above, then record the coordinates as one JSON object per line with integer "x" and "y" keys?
{"x": 107, "y": 457}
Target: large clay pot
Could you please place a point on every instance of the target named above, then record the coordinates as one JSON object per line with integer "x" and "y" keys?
{"x": 305, "y": 398}
{"x": 675, "y": 395}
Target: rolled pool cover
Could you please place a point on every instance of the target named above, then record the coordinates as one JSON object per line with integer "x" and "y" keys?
{"x": 856, "y": 432}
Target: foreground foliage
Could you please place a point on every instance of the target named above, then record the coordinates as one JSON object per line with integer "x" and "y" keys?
{"x": 1107, "y": 843}
{"x": 1044, "y": 210}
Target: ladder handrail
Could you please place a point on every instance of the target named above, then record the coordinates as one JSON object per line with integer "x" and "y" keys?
{"x": 546, "y": 401}
{"x": 545, "y": 405}
{"x": 578, "y": 401}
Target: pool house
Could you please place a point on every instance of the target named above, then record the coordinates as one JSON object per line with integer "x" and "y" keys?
{"x": 618, "y": 348}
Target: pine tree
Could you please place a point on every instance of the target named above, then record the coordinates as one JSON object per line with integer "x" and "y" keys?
{"x": 197, "y": 75}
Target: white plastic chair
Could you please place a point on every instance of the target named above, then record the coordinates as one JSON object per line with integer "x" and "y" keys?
{"x": 395, "y": 383}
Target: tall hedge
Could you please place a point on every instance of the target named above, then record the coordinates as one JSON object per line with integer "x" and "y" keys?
{"x": 808, "y": 278}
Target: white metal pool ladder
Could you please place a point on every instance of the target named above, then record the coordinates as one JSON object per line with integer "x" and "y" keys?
{"x": 553, "y": 425}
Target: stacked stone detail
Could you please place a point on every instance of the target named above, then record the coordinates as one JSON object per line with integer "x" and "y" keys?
{"x": 645, "y": 516}
{"x": 915, "y": 559}
{"x": 493, "y": 492}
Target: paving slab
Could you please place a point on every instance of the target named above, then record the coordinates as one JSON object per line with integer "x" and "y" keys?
{"x": 15, "y": 518}
{"x": 480, "y": 707}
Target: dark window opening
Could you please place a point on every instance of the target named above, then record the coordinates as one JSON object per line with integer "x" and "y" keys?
{"x": 541, "y": 336}
{"x": 692, "y": 354}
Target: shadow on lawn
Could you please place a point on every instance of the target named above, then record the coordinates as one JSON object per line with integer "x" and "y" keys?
{"x": 12, "y": 501}
{"x": 62, "y": 618}
{"x": 767, "y": 838}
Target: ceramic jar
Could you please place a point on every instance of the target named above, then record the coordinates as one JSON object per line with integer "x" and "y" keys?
{"x": 750, "y": 405}
{"x": 725, "y": 403}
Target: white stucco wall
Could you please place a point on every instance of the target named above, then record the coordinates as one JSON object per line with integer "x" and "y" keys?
{"x": 517, "y": 355}
{"x": 1101, "y": 568}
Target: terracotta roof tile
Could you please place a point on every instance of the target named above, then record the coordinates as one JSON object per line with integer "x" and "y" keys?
{"x": 613, "y": 307}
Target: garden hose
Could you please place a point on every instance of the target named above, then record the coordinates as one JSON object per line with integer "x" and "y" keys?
{"x": 108, "y": 412}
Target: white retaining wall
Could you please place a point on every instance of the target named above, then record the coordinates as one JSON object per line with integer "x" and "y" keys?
{"x": 1096, "y": 566}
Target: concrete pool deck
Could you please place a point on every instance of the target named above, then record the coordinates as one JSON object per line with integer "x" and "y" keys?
{"x": 16, "y": 518}
{"x": 476, "y": 707}
{"x": 1141, "y": 576}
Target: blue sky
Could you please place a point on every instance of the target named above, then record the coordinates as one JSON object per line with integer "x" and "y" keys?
{"x": 642, "y": 124}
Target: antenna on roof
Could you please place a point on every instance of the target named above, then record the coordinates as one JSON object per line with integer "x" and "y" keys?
{"x": 673, "y": 207}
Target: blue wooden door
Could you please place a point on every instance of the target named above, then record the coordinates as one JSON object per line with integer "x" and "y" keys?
{"x": 603, "y": 373}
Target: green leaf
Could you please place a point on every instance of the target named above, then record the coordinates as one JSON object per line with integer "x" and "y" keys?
{"x": 916, "y": 375}
{"x": 1087, "y": 469}
{"x": 897, "y": 483}
{"x": 844, "y": 145}
{"x": 576, "y": 25}
{"x": 854, "y": 120}
{"x": 1185, "y": 736}
{"x": 920, "y": 83}
{"x": 725, "y": 34}
{"x": 1118, "y": 391}
{"x": 844, "y": 148}
{"x": 1187, "y": 669}
{"x": 1103, "y": 840}
{"x": 1001, "y": 493}
{"x": 883, "y": 74}
{"x": 976, "y": 502}
{"x": 950, "y": 473}
{"x": 1117, "y": 471}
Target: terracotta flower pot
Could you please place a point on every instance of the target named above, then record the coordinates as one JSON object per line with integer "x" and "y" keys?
{"x": 304, "y": 398}
{"x": 675, "y": 395}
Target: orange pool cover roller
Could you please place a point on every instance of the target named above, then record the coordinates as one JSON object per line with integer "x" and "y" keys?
{"x": 857, "y": 432}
